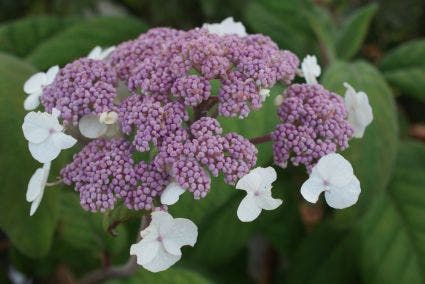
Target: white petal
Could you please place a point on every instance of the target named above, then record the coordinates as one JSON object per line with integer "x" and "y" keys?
{"x": 178, "y": 233}
{"x": 250, "y": 182}
{"x": 278, "y": 100}
{"x": 36, "y": 127}
{"x": 312, "y": 187}
{"x": 35, "y": 185}
{"x": 268, "y": 175}
{"x": 264, "y": 94}
{"x": 44, "y": 152}
{"x": 160, "y": 218}
{"x": 171, "y": 193}
{"x": 51, "y": 74}
{"x": 310, "y": 69}
{"x": 34, "y": 83}
{"x": 63, "y": 141}
{"x": 55, "y": 114}
{"x": 95, "y": 53}
{"x": 267, "y": 202}
{"x": 106, "y": 52}
{"x": 108, "y": 117}
{"x": 335, "y": 169}
{"x": 91, "y": 127}
{"x": 343, "y": 197}
{"x": 227, "y": 27}
{"x": 145, "y": 250}
{"x": 32, "y": 101}
{"x": 162, "y": 261}
{"x": 248, "y": 209}
{"x": 36, "y": 203}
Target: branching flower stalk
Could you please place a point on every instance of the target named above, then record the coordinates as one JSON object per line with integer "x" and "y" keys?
{"x": 169, "y": 114}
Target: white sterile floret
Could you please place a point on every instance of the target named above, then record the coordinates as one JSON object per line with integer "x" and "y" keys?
{"x": 93, "y": 126}
{"x": 34, "y": 87}
{"x": 98, "y": 53}
{"x": 45, "y": 137}
{"x": 278, "y": 100}
{"x": 36, "y": 187}
{"x": 334, "y": 175}
{"x": 258, "y": 185}
{"x": 162, "y": 239}
{"x": 227, "y": 27}
{"x": 171, "y": 193}
{"x": 264, "y": 94}
{"x": 310, "y": 69}
{"x": 359, "y": 110}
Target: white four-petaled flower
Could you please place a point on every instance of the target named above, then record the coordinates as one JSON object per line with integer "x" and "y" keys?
{"x": 264, "y": 94}
{"x": 34, "y": 87}
{"x": 310, "y": 69}
{"x": 98, "y": 53}
{"x": 45, "y": 137}
{"x": 93, "y": 126}
{"x": 227, "y": 27}
{"x": 258, "y": 185}
{"x": 333, "y": 175}
{"x": 359, "y": 110}
{"x": 36, "y": 187}
{"x": 161, "y": 241}
{"x": 171, "y": 193}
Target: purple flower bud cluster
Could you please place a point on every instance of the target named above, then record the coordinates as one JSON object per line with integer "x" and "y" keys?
{"x": 168, "y": 74}
{"x": 313, "y": 124}
{"x": 82, "y": 87}
{"x": 101, "y": 172}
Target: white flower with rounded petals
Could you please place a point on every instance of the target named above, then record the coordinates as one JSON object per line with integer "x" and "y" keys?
{"x": 93, "y": 126}
{"x": 278, "y": 100}
{"x": 258, "y": 185}
{"x": 310, "y": 69}
{"x": 34, "y": 87}
{"x": 98, "y": 53}
{"x": 171, "y": 193}
{"x": 359, "y": 110}
{"x": 162, "y": 239}
{"x": 36, "y": 187}
{"x": 333, "y": 175}
{"x": 45, "y": 137}
{"x": 264, "y": 94}
{"x": 227, "y": 27}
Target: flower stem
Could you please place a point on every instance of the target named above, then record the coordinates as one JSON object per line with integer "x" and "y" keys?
{"x": 112, "y": 272}
{"x": 261, "y": 139}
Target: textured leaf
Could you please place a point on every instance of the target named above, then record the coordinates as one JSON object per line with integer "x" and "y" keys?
{"x": 31, "y": 235}
{"x": 393, "y": 231}
{"x": 78, "y": 40}
{"x": 354, "y": 31}
{"x": 373, "y": 155}
{"x": 21, "y": 36}
{"x": 284, "y": 21}
{"x": 404, "y": 67}
{"x": 326, "y": 256}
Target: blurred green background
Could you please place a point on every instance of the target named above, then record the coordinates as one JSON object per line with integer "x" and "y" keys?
{"x": 377, "y": 46}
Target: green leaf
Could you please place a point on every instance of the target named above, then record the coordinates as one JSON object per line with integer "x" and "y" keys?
{"x": 404, "y": 67}
{"x": 79, "y": 39}
{"x": 326, "y": 256}
{"x": 372, "y": 156}
{"x": 173, "y": 275}
{"x": 31, "y": 235}
{"x": 354, "y": 31}
{"x": 21, "y": 36}
{"x": 284, "y": 21}
{"x": 393, "y": 231}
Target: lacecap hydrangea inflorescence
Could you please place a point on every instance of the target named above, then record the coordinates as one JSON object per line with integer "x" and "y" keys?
{"x": 154, "y": 97}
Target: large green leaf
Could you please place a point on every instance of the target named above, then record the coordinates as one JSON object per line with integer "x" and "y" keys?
{"x": 328, "y": 255}
{"x": 373, "y": 155}
{"x": 354, "y": 31}
{"x": 284, "y": 21}
{"x": 404, "y": 67}
{"x": 21, "y": 36}
{"x": 393, "y": 232}
{"x": 31, "y": 235}
{"x": 79, "y": 39}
